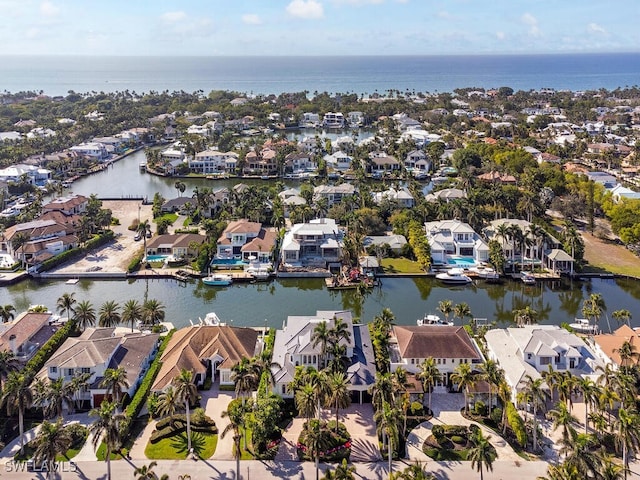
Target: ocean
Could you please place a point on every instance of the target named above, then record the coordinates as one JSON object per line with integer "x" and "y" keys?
{"x": 57, "y": 75}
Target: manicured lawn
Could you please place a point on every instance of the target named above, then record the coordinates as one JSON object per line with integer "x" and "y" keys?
{"x": 175, "y": 447}
{"x": 400, "y": 265}
{"x": 171, "y": 217}
{"x": 245, "y": 454}
{"x": 136, "y": 428}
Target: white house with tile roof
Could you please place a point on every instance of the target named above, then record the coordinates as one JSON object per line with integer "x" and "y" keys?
{"x": 454, "y": 238}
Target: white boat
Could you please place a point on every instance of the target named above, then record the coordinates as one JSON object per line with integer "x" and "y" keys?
{"x": 259, "y": 274}
{"x": 527, "y": 278}
{"x": 486, "y": 273}
{"x": 582, "y": 325}
{"x": 212, "y": 320}
{"x": 218, "y": 280}
{"x": 431, "y": 319}
{"x": 453, "y": 276}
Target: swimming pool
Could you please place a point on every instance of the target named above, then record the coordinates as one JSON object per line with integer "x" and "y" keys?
{"x": 227, "y": 261}
{"x": 464, "y": 262}
{"x": 157, "y": 258}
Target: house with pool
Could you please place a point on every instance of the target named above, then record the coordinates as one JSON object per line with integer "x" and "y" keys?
{"x": 455, "y": 244}
{"x": 244, "y": 241}
{"x": 168, "y": 247}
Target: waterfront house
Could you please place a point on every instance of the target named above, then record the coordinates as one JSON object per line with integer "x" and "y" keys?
{"x": 246, "y": 240}
{"x": 338, "y": 161}
{"x": 69, "y": 205}
{"x": 497, "y": 177}
{"x": 451, "y": 238}
{"x": 333, "y": 120}
{"x": 333, "y": 193}
{"x": 31, "y": 173}
{"x": 98, "y": 349}
{"x": 417, "y": 160}
{"x": 310, "y": 120}
{"x": 177, "y": 204}
{"x": 93, "y": 150}
{"x": 446, "y": 195}
{"x": 293, "y": 347}
{"x": 27, "y": 333}
{"x": 213, "y": 162}
{"x": 449, "y": 346}
{"x": 355, "y": 119}
{"x": 316, "y": 243}
{"x": 206, "y": 348}
{"x": 45, "y": 238}
{"x": 260, "y": 163}
{"x": 180, "y": 245}
{"x": 300, "y": 162}
{"x": 533, "y": 349}
{"x": 401, "y": 197}
{"x": 381, "y": 164}
{"x": 395, "y": 242}
{"x": 607, "y": 345}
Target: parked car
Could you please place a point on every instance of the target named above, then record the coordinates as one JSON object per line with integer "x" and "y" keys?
{"x": 138, "y": 237}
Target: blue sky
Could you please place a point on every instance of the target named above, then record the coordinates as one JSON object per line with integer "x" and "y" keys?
{"x": 317, "y": 27}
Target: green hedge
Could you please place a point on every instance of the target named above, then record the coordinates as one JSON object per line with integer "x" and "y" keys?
{"x": 134, "y": 265}
{"x": 36, "y": 363}
{"x": 67, "y": 255}
{"x": 170, "y": 426}
{"x": 140, "y": 397}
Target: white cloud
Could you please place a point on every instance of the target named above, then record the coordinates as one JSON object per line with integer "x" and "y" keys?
{"x": 595, "y": 28}
{"x": 361, "y": 2}
{"x": 48, "y": 9}
{"x": 500, "y": 35}
{"x": 532, "y": 22}
{"x": 173, "y": 17}
{"x": 308, "y": 9}
{"x": 251, "y": 19}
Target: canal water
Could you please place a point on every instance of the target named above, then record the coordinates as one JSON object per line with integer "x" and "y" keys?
{"x": 253, "y": 304}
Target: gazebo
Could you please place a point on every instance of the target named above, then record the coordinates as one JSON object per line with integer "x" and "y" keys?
{"x": 559, "y": 261}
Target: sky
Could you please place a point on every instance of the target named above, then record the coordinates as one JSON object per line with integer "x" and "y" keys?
{"x": 317, "y": 27}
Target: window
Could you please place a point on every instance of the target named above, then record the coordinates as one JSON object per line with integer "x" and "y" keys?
{"x": 557, "y": 358}
{"x": 85, "y": 370}
{"x": 53, "y": 369}
{"x": 444, "y": 361}
{"x": 70, "y": 372}
{"x": 439, "y": 361}
{"x": 413, "y": 361}
{"x": 545, "y": 360}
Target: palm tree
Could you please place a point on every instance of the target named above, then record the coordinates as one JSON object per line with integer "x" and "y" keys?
{"x": 343, "y": 471}
{"x": 56, "y": 394}
{"x": 387, "y": 420}
{"x": 145, "y": 472}
{"x": 18, "y": 397}
{"x": 627, "y": 434}
{"x": 188, "y": 393}
{"x": 305, "y": 399}
{"x": 562, "y": 418}
{"x": 245, "y": 377}
{"x": 65, "y": 304}
{"x": 321, "y": 336}
{"x": 168, "y": 402}
{"x": 534, "y": 394}
{"x": 6, "y": 312}
{"x": 8, "y": 363}
{"x": 233, "y": 426}
{"x": 462, "y": 311}
{"x": 143, "y": 229}
{"x": 382, "y": 390}
{"x": 482, "y": 454}
{"x": 628, "y": 354}
{"x": 429, "y": 375}
{"x": 464, "y": 378}
{"x": 115, "y": 382}
{"x": 445, "y": 307}
{"x": 593, "y": 307}
{"x": 590, "y": 393}
{"x": 85, "y": 315}
{"x": 315, "y": 439}
{"x": 525, "y": 316}
{"x": 109, "y": 314}
{"x": 106, "y": 428}
{"x": 581, "y": 454}
{"x": 622, "y": 316}
{"x": 152, "y": 312}
{"x": 493, "y": 375}
{"x": 78, "y": 385}
{"x": 131, "y": 313}
{"x": 53, "y": 439}
{"x": 338, "y": 393}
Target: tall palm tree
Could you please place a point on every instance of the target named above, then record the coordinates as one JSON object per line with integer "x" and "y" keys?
{"x": 343, "y": 471}
{"x": 593, "y": 307}
{"x": 245, "y": 377}
{"x": 17, "y": 397}
{"x": 482, "y": 454}
{"x": 6, "y": 312}
{"x": 78, "y": 385}
{"x": 144, "y": 228}
{"x": 525, "y": 316}
{"x": 65, "y": 304}
{"x": 145, "y": 472}
{"x": 109, "y": 314}
{"x": 321, "y": 336}
{"x": 84, "y": 315}
{"x": 188, "y": 393}
{"x": 131, "y": 313}
{"x": 152, "y": 312}
{"x": 581, "y": 453}
{"x": 115, "y": 382}
{"x": 315, "y": 439}
{"x": 233, "y": 426}
{"x": 590, "y": 394}
{"x": 387, "y": 419}
{"x": 8, "y": 363}
{"x": 169, "y": 403}
{"x": 429, "y": 375}
{"x": 382, "y": 390}
{"x": 53, "y": 439}
{"x": 445, "y": 307}
{"x": 106, "y": 427}
{"x": 626, "y": 430}
{"x": 493, "y": 375}
{"x": 622, "y": 316}
{"x": 56, "y": 394}
{"x": 562, "y": 418}
{"x": 338, "y": 393}
{"x": 462, "y": 311}
{"x": 464, "y": 377}
{"x": 628, "y": 354}
{"x": 534, "y": 394}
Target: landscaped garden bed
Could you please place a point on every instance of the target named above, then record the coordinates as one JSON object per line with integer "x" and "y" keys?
{"x": 333, "y": 445}
{"x": 449, "y": 442}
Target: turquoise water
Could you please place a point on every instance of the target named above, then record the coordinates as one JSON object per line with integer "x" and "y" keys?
{"x": 227, "y": 261}
{"x": 465, "y": 262}
{"x": 157, "y": 258}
